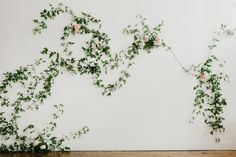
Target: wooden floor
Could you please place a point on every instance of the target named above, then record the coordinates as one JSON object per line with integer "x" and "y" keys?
{"x": 131, "y": 154}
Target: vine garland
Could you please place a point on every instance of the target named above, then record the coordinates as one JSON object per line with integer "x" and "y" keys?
{"x": 97, "y": 61}
{"x": 209, "y": 101}
{"x": 36, "y": 85}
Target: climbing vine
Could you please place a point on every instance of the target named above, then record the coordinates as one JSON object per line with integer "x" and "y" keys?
{"x": 209, "y": 101}
{"x": 35, "y": 85}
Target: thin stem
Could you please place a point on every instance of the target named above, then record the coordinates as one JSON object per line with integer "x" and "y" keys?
{"x": 178, "y": 61}
{"x": 180, "y": 64}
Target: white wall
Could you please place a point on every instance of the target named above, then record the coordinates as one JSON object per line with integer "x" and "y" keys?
{"x": 152, "y": 111}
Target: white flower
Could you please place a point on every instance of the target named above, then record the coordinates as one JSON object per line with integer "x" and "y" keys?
{"x": 35, "y": 143}
{"x": 43, "y": 147}
{"x": 94, "y": 46}
{"x": 141, "y": 44}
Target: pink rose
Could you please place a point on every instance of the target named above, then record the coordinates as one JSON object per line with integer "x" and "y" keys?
{"x": 157, "y": 41}
{"x": 94, "y": 46}
{"x": 77, "y": 27}
{"x": 145, "y": 38}
{"x": 202, "y": 77}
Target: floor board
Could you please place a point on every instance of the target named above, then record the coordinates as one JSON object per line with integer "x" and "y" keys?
{"x": 131, "y": 154}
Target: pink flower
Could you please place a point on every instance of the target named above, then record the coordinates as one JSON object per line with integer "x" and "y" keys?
{"x": 145, "y": 39}
{"x": 35, "y": 143}
{"x": 94, "y": 46}
{"x": 77, "y": 27}
{"x": 157, "y": 41}
{"x": 202, "y": 77}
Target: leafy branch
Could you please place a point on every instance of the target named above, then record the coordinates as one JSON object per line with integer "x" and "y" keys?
{"x": 209, "y": 101}
{"x": 36, "y": 84}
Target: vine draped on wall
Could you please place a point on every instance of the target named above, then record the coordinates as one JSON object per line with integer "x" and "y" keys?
{"x": 36, "y": 84}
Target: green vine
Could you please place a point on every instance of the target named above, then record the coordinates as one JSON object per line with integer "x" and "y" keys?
{"x": 36, "y": 84}
{"x": 209, "y": 101}
{"x": 35, "y": 81}
{"x": 30, "y": 140}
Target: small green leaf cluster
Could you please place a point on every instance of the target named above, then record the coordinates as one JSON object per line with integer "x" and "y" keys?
{"x": 30, "y": 140}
